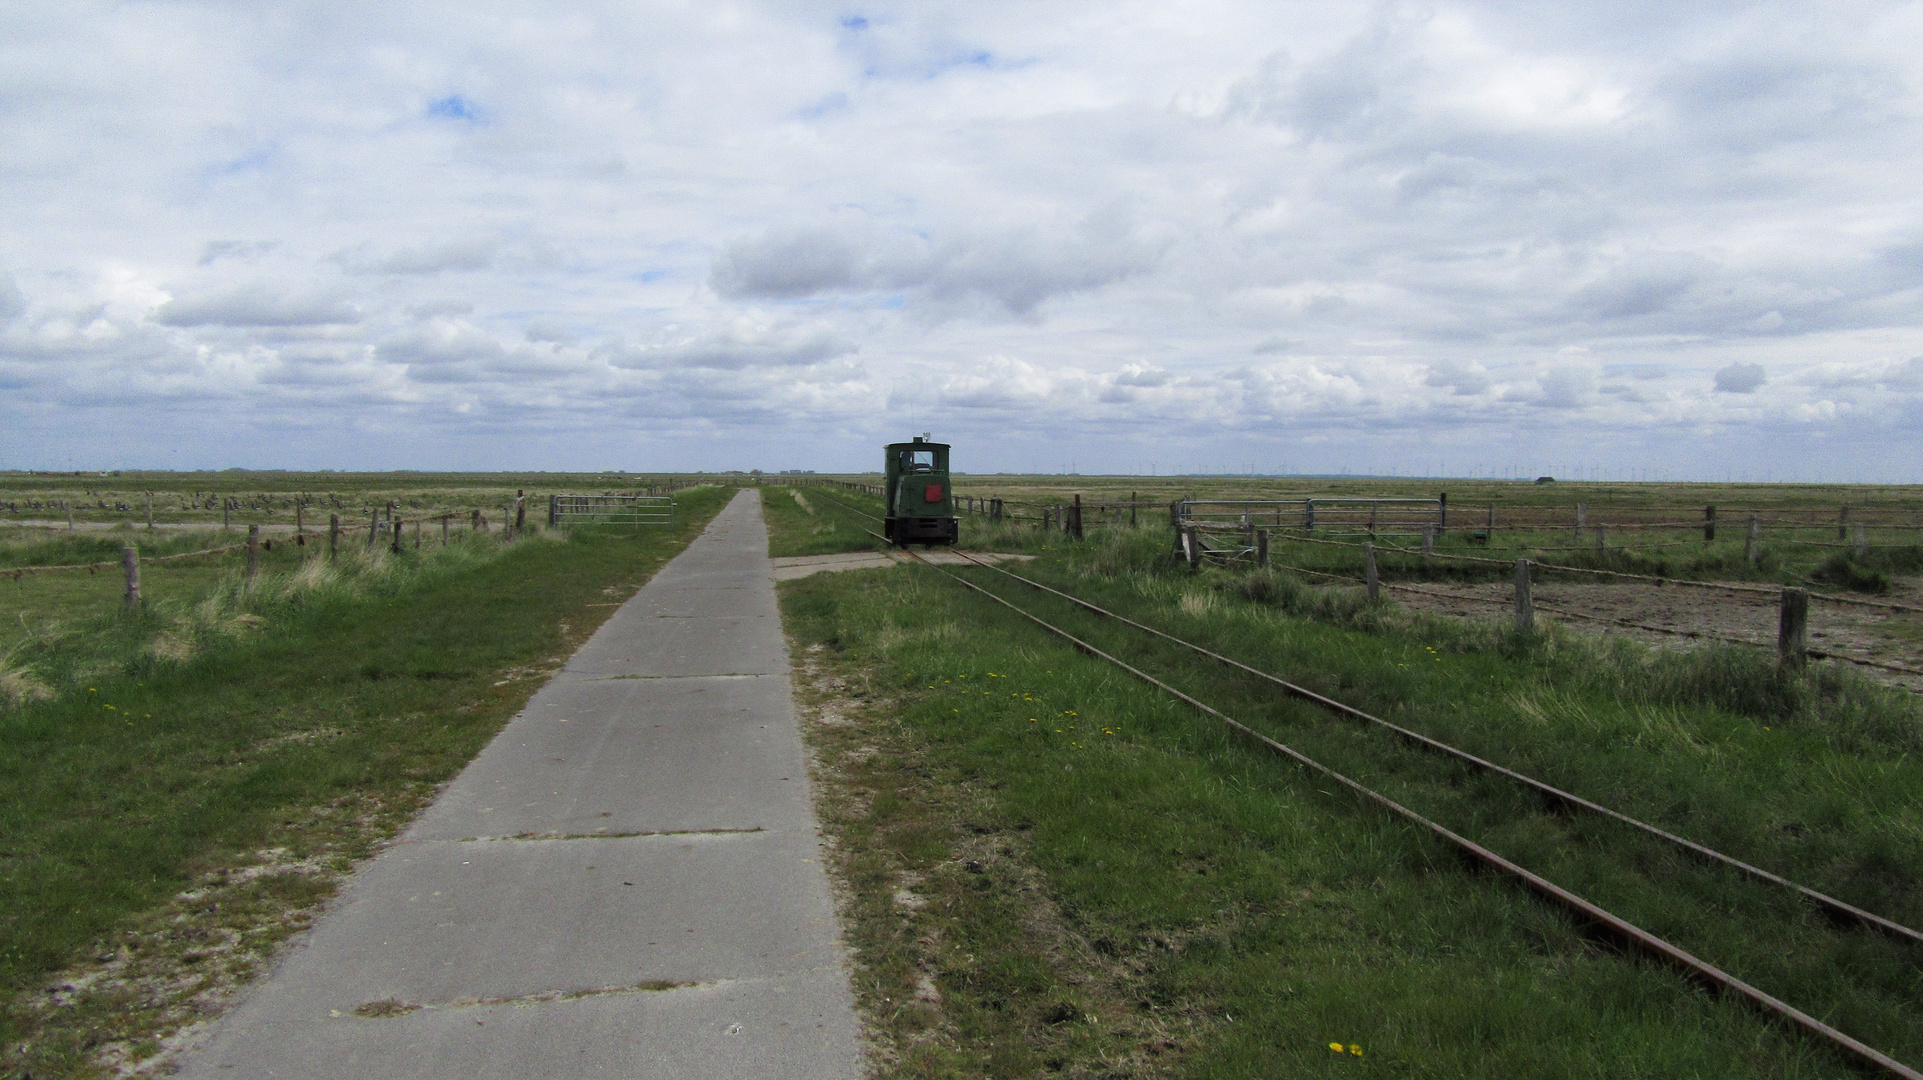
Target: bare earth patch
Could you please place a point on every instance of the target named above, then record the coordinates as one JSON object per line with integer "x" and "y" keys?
{"x": 155, "y": 988}
{"x": 1862, "y": 631}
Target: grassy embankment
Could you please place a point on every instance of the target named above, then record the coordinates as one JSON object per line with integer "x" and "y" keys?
{"x": 185, "y": 782}
{"x": 1054, "y": 868}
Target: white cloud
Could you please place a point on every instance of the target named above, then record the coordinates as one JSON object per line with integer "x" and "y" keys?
{"x": 744, "y": 343}
{"x": 12, "y": 303}
{"x": 1241, "y": 230}
{"x": 434, "y": 258}
{"x": 257, "y": 304}
{"x": 1016, "y": 267}
{"x": 1740, "y": 378}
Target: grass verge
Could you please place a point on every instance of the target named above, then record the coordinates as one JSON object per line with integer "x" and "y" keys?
{"x": 171, "y": 818}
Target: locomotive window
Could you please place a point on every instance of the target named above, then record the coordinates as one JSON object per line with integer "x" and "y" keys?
{"x": 918, "y": 461}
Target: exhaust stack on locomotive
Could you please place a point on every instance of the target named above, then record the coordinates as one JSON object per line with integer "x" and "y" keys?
{"x": 920, "y": 505}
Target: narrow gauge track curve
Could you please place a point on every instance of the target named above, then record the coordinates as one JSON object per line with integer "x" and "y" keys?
{"x": 1567, "y": 798}
{"x": 1635, "y": 935}
{"x": 1829, "y": 903}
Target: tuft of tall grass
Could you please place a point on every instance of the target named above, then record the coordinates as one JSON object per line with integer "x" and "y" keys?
{"x": 62, "y": 657}
{"x": 1845, "y": 570}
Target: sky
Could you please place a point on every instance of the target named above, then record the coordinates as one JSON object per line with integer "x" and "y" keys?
{"x": 1616, "y": 239}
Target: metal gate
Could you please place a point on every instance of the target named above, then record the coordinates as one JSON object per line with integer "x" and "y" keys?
{"x": 636, "y": 510}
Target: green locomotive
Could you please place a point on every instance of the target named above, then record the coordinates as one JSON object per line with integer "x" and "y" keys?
{"x": 920, "y": 503}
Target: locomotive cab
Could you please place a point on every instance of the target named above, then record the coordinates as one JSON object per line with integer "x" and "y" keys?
{"x": 920, "y": 503}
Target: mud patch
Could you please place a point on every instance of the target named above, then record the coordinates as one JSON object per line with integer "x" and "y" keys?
{"x": 1876, "y": 634}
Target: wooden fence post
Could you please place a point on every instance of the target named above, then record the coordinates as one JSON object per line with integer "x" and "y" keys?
{"x": 1308, "y": 514}
{"x": 150, "y": 509}
{"x": 69, "y": 509}
{"x": 474, "y": 523}
{"x": 1077, "y": 511}
{"x": 1131, "y": 508}
{"x": 520, "y": 509}
{"x": 333, "y": 534}
{"x": 1373, "y": 507}
{"x": 130, "y": 562}
{"x": 398, "y": 528}
{"x": 1752, "y": 542}
{"x": 225, "y": 506}
{"x": 1843, "y": 523}
{"x": 1489, "y": 533}
{"x": 1525, "y": 603}
{"x": 1428, "y": 540}
{"x": 1709, "y": 524}
{"x": 1792, "y": 629}
{"x": 1262, "y": 548}
{"x": 253, "y": 552}
{"x": 1599, "y": 541}
{"x": 1582, "y": 520}
{"x": 1192, "y": 544}
{"x": 417, "y": 535}
{"x": 1862, "y": 541}
{"x": 554, "y": 511}
{"x": 1442, "y": 512}
{"x": 444, "y": 518}
{"x": 1370, "y": 578}
{"x": 373, "y": 526}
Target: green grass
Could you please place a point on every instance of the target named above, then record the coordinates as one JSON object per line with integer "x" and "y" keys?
{"x": 806, "y": 521}
{"x": 301, "y": 720}
{"x": 1222, "y": 914}
{"x": 41, "y": 606}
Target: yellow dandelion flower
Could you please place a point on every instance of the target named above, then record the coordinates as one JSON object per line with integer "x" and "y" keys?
{"x": 1354, "y": 1049}
{"x": 1337, "y": 1047}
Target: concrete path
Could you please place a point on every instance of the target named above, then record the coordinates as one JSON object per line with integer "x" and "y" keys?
{"x": 625, "y": 883}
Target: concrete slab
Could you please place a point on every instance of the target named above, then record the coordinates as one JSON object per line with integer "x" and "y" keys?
{"x": 438, "y": 923}
{"x": 681, "y": 647}
{"x": 595, "y": 755}
{"x": 801, "y": 566}
{"x": 626, "y": 882}
{"x": 734, "y": 1028}
{"x": 788, "y": 568}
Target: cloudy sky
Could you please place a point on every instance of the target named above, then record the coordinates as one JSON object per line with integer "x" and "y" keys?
{"x": 1616, "y": 238}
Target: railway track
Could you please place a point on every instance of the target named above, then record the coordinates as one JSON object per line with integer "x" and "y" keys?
{"x": 1619, "y": 927}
